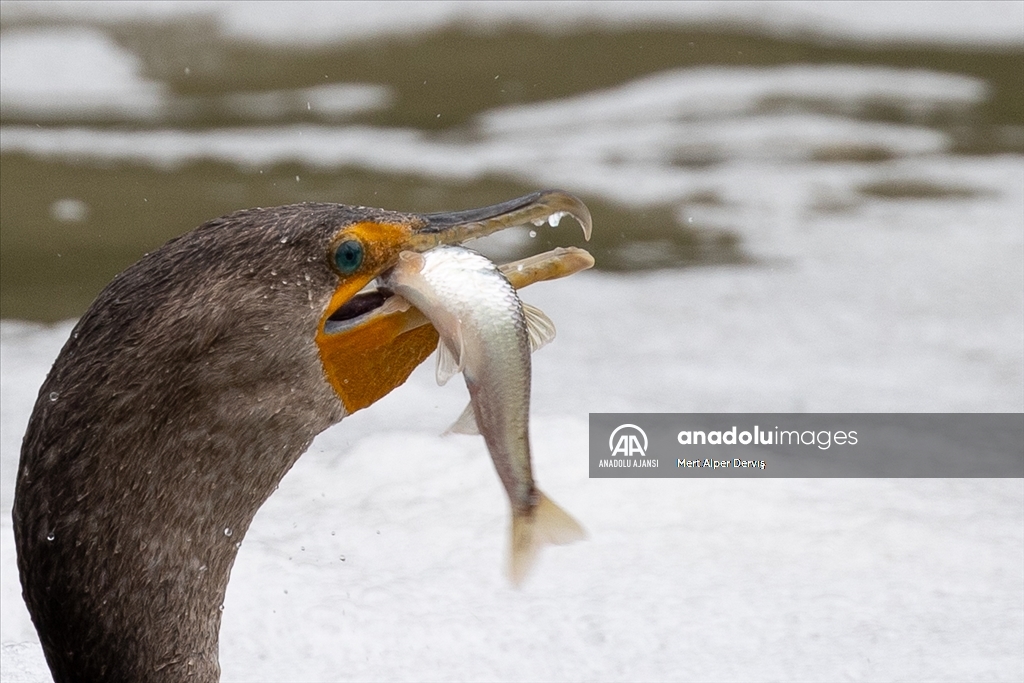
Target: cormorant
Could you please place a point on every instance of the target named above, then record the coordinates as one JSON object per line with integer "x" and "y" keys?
{"x": 185, "y": 393}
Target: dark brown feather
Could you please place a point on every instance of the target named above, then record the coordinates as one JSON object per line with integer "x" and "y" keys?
{"x": 183, "y": 396}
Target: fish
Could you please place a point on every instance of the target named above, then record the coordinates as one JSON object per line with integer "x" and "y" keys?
{"x": 487, "y": 333}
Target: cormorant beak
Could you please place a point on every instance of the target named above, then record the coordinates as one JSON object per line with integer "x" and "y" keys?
{"x": 456, "y": 227}
{"x": 426, "y": 231}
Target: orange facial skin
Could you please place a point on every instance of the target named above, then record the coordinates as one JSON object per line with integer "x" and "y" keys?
{"x": 365, "y": 363}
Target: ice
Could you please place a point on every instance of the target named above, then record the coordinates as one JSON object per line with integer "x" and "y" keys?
{"x": 640, "y": 144}
{"x": 714, "y": 91}
{"x": 60, "y": 72}
{"x": 985, "y": 22}
{"x": 81, "y": 73}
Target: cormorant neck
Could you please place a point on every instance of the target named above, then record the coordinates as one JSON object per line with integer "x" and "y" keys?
{"x": 158, "y": 434}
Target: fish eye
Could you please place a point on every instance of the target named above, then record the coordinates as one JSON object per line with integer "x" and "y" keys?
{"x": 348, "y": 256}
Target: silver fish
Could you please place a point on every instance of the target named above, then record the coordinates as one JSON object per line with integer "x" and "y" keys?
{"x": 487, "y": 333}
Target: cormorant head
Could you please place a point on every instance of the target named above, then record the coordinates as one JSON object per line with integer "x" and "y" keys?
{"x": 366, "y": 353}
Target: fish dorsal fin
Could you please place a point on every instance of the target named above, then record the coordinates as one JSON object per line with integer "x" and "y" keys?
{"x": 466, "y": 424}
{"x": 538, "y": 326}
{"x": 448, "y": 364}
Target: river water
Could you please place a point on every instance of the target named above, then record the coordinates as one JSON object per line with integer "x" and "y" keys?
{"x": 697, "y": 136}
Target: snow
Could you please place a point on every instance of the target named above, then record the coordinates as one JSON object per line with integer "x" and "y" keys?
{"x": 380, "y": 556}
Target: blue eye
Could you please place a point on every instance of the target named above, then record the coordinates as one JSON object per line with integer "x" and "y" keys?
{"x": 348, "y": 256}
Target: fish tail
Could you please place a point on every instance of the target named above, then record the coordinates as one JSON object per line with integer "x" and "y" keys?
{"x": 547, "y": 524}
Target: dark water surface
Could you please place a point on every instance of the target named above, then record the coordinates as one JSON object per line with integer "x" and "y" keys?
{"x": 55, "y": 257}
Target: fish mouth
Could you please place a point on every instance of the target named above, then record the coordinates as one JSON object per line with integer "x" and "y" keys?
{"x": 457, "y": 227}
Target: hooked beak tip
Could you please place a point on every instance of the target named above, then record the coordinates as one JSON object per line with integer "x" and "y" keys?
{"x": 456, "y": 227}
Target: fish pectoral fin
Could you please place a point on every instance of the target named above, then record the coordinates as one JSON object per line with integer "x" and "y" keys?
{"x": 450, "y": 364}
{"x": 466, "y": 424}
{"x": 548, "y": 525}
{"x": 538, "y": 326}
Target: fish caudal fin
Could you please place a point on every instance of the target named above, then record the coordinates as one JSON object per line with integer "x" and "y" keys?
{"x": 548, "y": 525}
